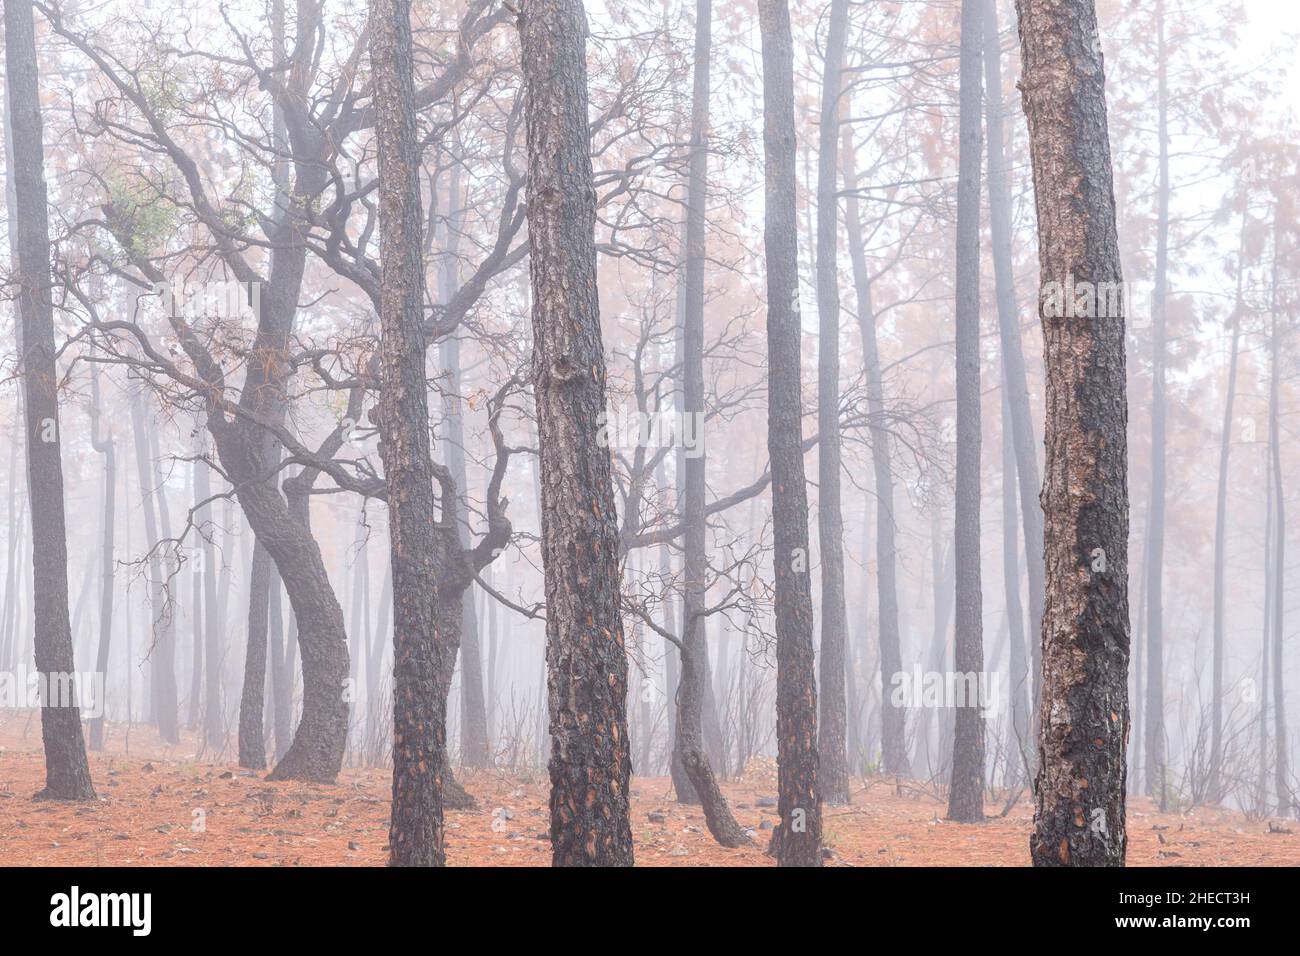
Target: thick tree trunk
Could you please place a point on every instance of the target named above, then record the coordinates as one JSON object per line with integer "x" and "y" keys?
{"x": 590, "y": 763}
{"x": 797, "y": 841}
{"x": 966, "y": 792}
{"x": 419, "y": 715}
{"x": 1282, "y": 785}
{"x": 67, "y": 772}
{"x": 1080, "y": 789}
{"x": 834, "y": 771}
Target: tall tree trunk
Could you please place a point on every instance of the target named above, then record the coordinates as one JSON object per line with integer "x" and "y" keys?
{"x": 830, "y": 518}
{"x": 1017, "y": 739}
{"x": 693, "y": 688}
{"x": 590, "y": 764}
{"x": 67, "y": 771}
{"x": 1079, "y": 815}
{"x": 966, "y": 793}
{"x": 419, "y": 732}
{"x": 1282, "y": 785}
{"x": 798, "y": 839}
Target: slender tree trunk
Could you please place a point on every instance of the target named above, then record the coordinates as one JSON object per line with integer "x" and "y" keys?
{"x": 834, "y": 772}
{"x": 67, "y": 771}
{"x": 590, "y": 764}
{"x": 415, "y": 833}
{"x": 797, "y": 841}
{"x": 107, "y": 447}
{"x": 1282, "y": 785}
{"x": 966, "y": 793}
{"x": 1156, "y": 777}
{"x": 1079, "y": 815}
{"x": 1221, "y": 531}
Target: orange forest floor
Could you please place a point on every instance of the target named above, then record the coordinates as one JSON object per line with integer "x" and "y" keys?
{"x": 161, "y": 806}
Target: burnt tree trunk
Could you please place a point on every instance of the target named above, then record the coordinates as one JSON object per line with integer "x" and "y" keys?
{"x": 67, "y": 772}
{"x": 797, "y": 840}
{"x": 415, "y": 833}
{"x": 1084, "y": 721}
{"x": 590, "y": 763}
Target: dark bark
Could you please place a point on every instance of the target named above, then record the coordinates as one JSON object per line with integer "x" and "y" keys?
{"x": 590, "y": 763}
{"x": 834, "y": 770}
{"x": 419, "y": 733}
{"x": 966, "y": 791}
{"x": 1079, "y": 816}
{"x": 67, "y": 772}
{"x": 798, "y": 838}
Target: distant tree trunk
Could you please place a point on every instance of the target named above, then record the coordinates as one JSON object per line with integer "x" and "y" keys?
{"x": 966, "y": 793}
{"x": 834, "y": 772}
{"x": 281, "y": 672}
{"x": 893, "y": 718}
{"x": 1285, "y": 800}
{"x": 1215, "y": 786}
{"x": 1013, "y": 358}
{"x": 214, "y": 731}
{"x": 415, "y": 833}
{"x": 1017, "y": 741}
{"x": 1156, "y": 778}
{"x": 162, "y": 670}
{"x": 195, "y": 707}
{"x": 252, "y": 744}
{"x": 797, "y": 841}
{"x": 67, "y": 772}
{"x": 1079, "y": 816}
{"x": 107, "y": 447}
{"x": 590, "y": 764}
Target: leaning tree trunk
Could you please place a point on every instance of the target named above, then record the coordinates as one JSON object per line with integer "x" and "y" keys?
{"x": 830, "y": 517}
{"x": 966, "y": 791}
{"x": 797, "y": 841}
{"x": 67, "y": 772}
{"x": 590, "y": 763}
{"x": 415, "y": 832}
{"x": 1080, "y": 788}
